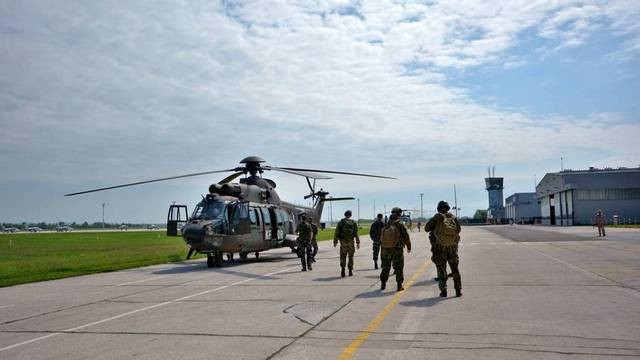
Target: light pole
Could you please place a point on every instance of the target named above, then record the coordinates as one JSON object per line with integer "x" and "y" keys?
{"x": 358, "y": 210}
{"x": 103, "y": 204}
{"x": 330, "y": 213}
{"x": 455, "y": 199}
{"x": 374, "y": 210}
{"x": 421, "y": 211}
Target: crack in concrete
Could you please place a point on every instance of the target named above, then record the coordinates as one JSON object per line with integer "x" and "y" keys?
{"x": 521, "y": 350}
{"x": 286, "y": 311}
{"x": 144, "y": 333}
{"x": 347, "y": 303}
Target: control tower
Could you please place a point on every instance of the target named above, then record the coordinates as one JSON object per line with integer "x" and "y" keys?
{"x": 494, "y": 186}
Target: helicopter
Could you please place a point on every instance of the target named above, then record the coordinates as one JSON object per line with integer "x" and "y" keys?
{"x": 244, "y": 217}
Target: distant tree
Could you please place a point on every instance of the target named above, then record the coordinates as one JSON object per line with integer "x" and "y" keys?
{"x": 480, "y": 214}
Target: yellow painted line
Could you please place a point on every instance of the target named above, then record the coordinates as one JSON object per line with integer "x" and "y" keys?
{"x": 375, "y": 323}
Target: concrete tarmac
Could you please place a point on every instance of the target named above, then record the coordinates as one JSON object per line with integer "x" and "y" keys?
{"x": 529, "y": 292}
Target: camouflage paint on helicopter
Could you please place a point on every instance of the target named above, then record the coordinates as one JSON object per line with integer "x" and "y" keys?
{"x": 248, "y": 216}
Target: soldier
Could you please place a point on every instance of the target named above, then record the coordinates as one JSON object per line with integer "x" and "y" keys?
{"x": 304, "y": 242}
{"x": 419, "y": 226}
{"x": 346, "y": 231}
{"x": 393, "y": 240}
{"x": 314, "y": 240}
{"x": 600, "y": 220}
{"x": 374, "y": 233}
{"x": 444, "y": 235}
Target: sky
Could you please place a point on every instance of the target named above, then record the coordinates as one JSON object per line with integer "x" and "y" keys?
{"x": 95, "y": 94}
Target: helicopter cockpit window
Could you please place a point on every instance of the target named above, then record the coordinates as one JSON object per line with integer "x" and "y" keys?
{"x": 241, "y": 211}
{"x": 253, "y": 216}
{"x": 209, "y": 210}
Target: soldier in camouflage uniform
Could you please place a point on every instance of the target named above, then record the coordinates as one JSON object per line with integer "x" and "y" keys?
{"x": 393, "y": 240}
{"x": 304, "y": 242}
{"x": 314, "y": 240}
{"x": 374, "y": 234}
{"x": 444, "y": 229}
{"x": 346, "y": 232}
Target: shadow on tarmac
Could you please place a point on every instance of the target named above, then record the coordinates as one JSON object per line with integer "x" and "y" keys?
{"x": 330, "y": 278}
{"x": 378, "y": 293}
{"x": 428, "y": 302}
{"x": 182, "y": 268}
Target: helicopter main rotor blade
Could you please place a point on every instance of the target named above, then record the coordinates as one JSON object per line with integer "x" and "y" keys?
{"x": 230, "y": 177}
{"x": 153, "y": 180}
{"x": 297, "y": 172}
{"x": 337, "y": 172}
{"x": 338, "y": 199}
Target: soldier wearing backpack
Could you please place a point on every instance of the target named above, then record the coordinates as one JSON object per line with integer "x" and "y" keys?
{"x": 445, "y": 229}
{"x": 393, "y": 239}
{"x": 346, "y": 231}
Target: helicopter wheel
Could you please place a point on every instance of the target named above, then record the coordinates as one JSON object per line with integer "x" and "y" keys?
{"x": 218, "y": 259}
{"x": 210, "y": 260}
{"x": 257, "y": 254}
{"x": 243, "y": 255}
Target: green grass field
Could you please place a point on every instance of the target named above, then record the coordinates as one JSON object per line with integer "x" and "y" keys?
{"x": 27, "y": 258}
{"x": 630, "y": 226}
{"x": 35, "y": 257}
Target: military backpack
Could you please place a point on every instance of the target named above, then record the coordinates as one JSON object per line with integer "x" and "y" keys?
{"x": 448, "y": 232}
{"x": 390, "y": 237}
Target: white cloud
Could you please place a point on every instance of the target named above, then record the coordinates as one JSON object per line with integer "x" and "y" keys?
{"x": 90, "y": 89}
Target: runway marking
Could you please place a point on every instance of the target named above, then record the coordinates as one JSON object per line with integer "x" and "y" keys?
{"x": 139, "y": 281}
{"x": 375, "y": 323}
{"x": 142, "y": 309}
{"x": 6, "y": 306}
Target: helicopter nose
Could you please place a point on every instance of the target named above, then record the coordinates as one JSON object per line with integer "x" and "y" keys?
{"x": 193, "y": 233}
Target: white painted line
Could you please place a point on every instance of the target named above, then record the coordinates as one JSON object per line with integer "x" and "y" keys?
{"x": 142, "y": 309}
{"x": 139, "y": 281}
{"x": 6, "y": 306}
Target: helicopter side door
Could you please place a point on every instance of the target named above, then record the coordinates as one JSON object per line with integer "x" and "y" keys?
{"x": 270, "y": 226}
{"x": 257, "y": 230}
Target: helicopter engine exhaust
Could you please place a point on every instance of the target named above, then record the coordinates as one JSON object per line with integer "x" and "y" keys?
{"x": 226, "y": 189}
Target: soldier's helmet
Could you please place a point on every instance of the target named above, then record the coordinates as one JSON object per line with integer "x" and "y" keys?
{"x": 347, "y": 213}
{"x": 396, "y": 210}
{"x": 443, "y": 205}
{"x": 379, "y": 216}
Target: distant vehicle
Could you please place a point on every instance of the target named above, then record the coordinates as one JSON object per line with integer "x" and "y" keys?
{"x": 64, "y": 228}
{"x": 152, "y": 227}
{"x": 34, "y": 229}
{"x": 123, "y": 227}
{"x": 10, "y": 229}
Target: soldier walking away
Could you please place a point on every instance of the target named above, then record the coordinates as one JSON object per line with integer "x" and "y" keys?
{"x": 394, "y": 238}
{"x": 346, "y": 232}
{"x": 314, "y": 240}
{"x": 600, "y": 221}
{"x": 419, "y": 226}
{"x": 374, "y": 233}
{"x": 304, "y": 242}
{"x": 444, "y": 235}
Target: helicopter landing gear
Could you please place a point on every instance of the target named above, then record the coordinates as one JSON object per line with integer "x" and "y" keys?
{"x": 257, "y": 254}
{"x": 244, "y": 255}
{"x": 230, "y": 257}
{"x": 214, "y": 259}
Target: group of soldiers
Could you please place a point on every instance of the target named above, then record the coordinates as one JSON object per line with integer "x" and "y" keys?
{"x": 390, "y": 238}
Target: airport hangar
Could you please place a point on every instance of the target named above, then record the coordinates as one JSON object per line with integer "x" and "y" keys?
{"x": 522, "y": 208}
{"x": 572, "y": 197}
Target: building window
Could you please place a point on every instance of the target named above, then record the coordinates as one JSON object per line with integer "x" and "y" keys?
{"x": 608, "y": 194}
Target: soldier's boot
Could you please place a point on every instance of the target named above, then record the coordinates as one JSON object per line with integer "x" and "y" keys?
{"x": 443, "y": 293}
{"x": 383, "y": 285}
{"x": 309, "y": 266}
{"x": 375, "y": 264}
{"x": 458, "y": 292}
{"x": 342, "y": 272}
{"x": 400, "y": 288}
{"x": 304, "y": 269}
{"x": 350, "y": 272}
